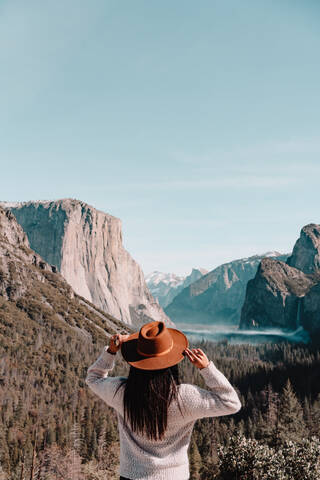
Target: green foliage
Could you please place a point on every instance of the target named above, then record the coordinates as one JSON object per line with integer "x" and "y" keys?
{"x": 248, "y": 459}
{"x": 51, "y": 424}
{"x": 290, "y": 422}
{"x": 43, "y": 362}
{"x": 302, "y": 460}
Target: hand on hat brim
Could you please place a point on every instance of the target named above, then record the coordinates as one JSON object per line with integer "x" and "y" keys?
{"x": 197, "y": 357}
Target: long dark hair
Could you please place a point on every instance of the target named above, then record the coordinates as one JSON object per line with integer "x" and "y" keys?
{"x": 147, "y": 396}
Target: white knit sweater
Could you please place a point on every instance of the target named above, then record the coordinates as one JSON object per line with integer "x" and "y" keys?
{"x": 166, "y": 459}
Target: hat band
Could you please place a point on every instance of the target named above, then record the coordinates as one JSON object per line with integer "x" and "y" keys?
{"x": 155, "y": 354}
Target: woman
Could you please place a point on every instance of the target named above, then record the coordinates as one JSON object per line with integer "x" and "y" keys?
{"x": 156, "y": 413}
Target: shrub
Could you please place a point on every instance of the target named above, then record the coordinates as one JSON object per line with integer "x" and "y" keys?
{"x": 248, "y": 459}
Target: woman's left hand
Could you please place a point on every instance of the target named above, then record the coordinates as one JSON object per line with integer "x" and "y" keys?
{"x": 116, "y": 342}
{"x": 197, "y": 357}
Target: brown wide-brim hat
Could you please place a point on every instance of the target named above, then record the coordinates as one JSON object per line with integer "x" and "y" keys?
{"x": 154, "y": 347}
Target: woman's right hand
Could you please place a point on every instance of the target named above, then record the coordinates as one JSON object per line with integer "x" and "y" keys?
{"x": 116, "y": 342}
{"x": 197, "y": 357}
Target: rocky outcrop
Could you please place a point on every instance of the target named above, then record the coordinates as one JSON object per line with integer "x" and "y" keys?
{"x": 273, "y": 297}
{"x": 217, "y": 297}
{"x": 85, "y": 245}
{"x": 166, "y": 286}
{"x": 310, "y": 311}
{"x": 306, "y": 252}
{"x": 10, "y": 231}
{"x": 32, "y": 292}
{"x": 287, "y": 295}
{"x": 15, "y": 255}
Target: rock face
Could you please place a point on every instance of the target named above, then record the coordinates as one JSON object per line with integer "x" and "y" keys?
{"x": 166, "y": 286}
{"x": 86, "y": 247}
{"x": 306, "y": 252}
{"x": 217, "y": 297}
{"x": 10, "y": 231}
{"x": 31, "y": 292}
{"x": 273, "y": 296}
{"x": 310, "y": 311}
{"x": 15, "y": 254}
{"x": 287, "y": 295}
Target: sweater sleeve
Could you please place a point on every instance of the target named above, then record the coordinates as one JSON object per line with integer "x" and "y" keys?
{"x": 99, "y": 381}
{"x": 221, "y": 399}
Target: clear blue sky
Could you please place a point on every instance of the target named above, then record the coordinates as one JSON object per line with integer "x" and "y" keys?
{"x": 196, "y": 123}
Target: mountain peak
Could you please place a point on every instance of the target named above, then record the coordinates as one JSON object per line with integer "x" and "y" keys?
{"x": 306, "y": 251}
{"x": 273, "y": 253}
{"x": 203, "y": 271}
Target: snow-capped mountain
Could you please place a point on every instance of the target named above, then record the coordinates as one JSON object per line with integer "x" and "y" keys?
{"x": 155, "y": 278}
{"x": 165, "y": 286}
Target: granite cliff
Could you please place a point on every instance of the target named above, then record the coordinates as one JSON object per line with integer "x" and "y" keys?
{"x": 287, "y": 294}
{"x": 306, "y": 251}
{"x": 86, "y": 247}
{"x": 273, "y": 296}
{"x": 34, "y": 296}
{"x": 217, "y": 297}
{"x": 310, "y": 311}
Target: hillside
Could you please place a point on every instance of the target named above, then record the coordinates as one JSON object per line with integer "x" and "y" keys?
{"x": 48, "y": 336}
{"x": 53, "y": 428}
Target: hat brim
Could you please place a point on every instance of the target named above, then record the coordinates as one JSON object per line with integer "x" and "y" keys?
{"x": 131, "y": 356}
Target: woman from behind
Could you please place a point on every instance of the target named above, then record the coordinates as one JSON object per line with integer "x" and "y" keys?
{"x": 156, "y": 413}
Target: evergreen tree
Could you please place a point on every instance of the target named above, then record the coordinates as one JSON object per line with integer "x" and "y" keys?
{"x": 194, "y": 461}
{"x": 268, "y": 420}
{"x": 314, "y": 420}
{"x": 290, "y": 425}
